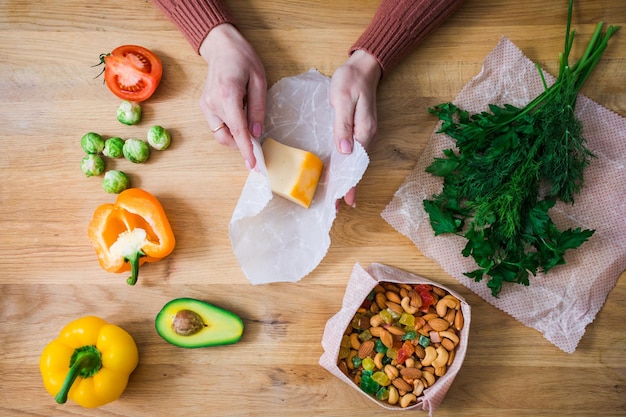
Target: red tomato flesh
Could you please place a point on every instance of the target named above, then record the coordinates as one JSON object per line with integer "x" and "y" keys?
{"x": 132, "y": 72}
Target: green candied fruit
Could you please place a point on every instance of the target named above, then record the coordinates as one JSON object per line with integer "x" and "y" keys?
{"x": 345, "y": 341}
{"x": 423, "y": 341}
{"x": 381, "y": 378}
{"x": 407, "y": 319}
{"x": 113, "y": 147}
{"x": 92, "y": 143}
{"x": 382, "y": 394}
{"x": 409, "y": 335}
{"x": 115, "y": 181}
{"x": 356, "y": 361}
{"x": 159, "y": 138}
{"x": 379, "y": 346}
{"x": 344, "y": 352}
{"x": 92, "y": 165}
{"x": 136, "y": 150}
{"x": 365, "y": 335}
{"x": 368, "y": 364}
{"x": 368, "y": 385}
{"x": 387, "y": 360}
{"x": 129, "y": 113}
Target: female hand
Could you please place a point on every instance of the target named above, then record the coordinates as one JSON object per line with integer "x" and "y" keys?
{"x": 353, "y": 97}
{"x": 233, "y": 100}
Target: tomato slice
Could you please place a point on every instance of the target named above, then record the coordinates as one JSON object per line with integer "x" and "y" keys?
{"x": 132, "y": 72}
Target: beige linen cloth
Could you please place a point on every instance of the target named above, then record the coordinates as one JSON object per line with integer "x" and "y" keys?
{"x": 361, "y": 283}
{"x": 561, "y": 303}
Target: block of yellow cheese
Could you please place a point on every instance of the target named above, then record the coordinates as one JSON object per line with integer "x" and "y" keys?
{"x": 293, "y": 173}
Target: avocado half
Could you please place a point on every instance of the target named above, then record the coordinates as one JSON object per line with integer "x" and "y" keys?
{"x": 191, "y": 323}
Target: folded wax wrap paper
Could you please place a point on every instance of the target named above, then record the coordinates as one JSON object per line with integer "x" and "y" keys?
{"x": 561, "y": 303}
{"x": 274, "y": 239}
{"x": 361, "y": 283}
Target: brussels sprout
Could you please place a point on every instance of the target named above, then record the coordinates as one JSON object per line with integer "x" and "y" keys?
{"x": 92, "y": 165}
{"x": 129, "y": 113}
{"x": 158, "y": 138}
{"x": 136, "y": 150}
{"x": 92, "y": 143}
{"x": 115, "y": 182}
{"x": 113, "y": 147}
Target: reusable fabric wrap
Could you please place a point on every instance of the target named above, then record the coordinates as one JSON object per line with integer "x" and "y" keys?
{"x": 561, "y": 303}
{"x": 361, "y": 283}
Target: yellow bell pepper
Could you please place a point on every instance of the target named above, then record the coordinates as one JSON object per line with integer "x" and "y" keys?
{"x": 90, "y": 362}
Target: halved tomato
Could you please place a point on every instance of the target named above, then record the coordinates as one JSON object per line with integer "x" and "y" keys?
{"x": 132, "y": 72}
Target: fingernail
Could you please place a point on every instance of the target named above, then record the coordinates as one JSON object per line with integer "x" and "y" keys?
{"x": 256, "y": 129}
{"x": 345, "y": 146}
{"x": 248, "y": 165}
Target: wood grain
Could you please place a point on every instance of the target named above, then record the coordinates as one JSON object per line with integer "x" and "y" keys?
{"x": 49, "y": 274}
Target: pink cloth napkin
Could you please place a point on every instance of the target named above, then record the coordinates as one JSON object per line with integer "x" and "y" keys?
{"x": 361, "y": 283}
{"x": 563, "y": 302}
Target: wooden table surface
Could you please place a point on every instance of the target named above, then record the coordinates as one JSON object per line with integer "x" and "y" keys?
{"x": 48, "y": 270}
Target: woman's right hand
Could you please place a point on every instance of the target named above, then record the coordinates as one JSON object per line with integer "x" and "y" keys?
{"x": 235, "y": 91}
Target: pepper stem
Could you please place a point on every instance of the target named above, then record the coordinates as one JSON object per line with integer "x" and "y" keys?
{"x": 134, "y": 266}
{"x": 86, "y": 361}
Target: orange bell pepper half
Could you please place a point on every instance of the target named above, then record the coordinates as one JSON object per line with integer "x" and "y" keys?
{"x": 130, "y": 232}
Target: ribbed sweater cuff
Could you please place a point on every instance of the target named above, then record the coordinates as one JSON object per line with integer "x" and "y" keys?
{"x": 395, "y": 31}
{"x": 195, "y": 19}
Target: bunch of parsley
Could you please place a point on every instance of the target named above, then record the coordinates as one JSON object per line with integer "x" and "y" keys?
{"x": 509, "y": 168}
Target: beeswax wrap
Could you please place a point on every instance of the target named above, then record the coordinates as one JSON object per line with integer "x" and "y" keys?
{"x": 561, "y": 303}
{"x": 361, "y": 283}
{"x": 274, "y": 239}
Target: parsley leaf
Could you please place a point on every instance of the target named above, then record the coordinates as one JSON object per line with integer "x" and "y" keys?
{"x": 504, "y": 158}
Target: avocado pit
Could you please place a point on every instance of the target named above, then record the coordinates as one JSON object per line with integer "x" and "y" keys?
{"x": 187, "y": 322}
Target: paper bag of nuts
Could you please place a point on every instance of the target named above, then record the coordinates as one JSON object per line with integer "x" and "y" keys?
{"x": 399, "y": 339}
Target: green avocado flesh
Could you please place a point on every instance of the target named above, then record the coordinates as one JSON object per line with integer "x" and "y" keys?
{"x": 191, "y": 323}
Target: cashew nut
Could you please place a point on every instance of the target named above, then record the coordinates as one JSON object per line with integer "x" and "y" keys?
{"x": 450, "y": 335}
{"x": 393, "y": 395}
{"x": 428, "y": 378}
{"x": 378, "y": 360}
{"x": 418, "y": 387}
{"x": 444, "y": 304}
{"x": 407, "y": 399}
{"x": 442, "y": 358}
{"x": 355, "y": 343}
{"x": 405, "y": 303}
{"x": 431, "y": 355}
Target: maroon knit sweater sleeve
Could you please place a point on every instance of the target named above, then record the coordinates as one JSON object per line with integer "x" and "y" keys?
{"x": 195, "y": 18}
{"x": 400, "y": 25}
